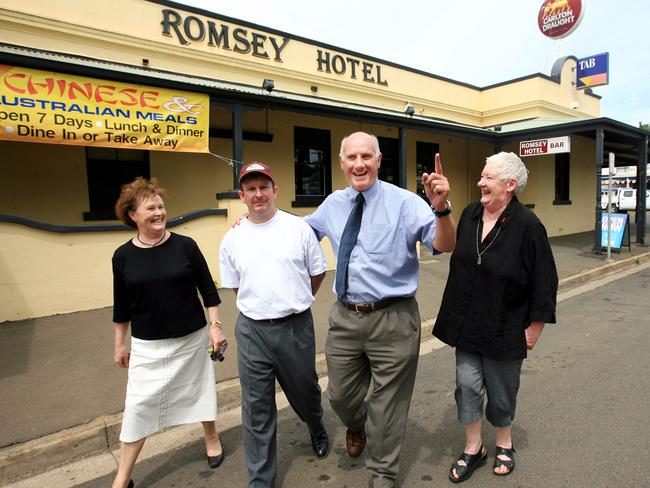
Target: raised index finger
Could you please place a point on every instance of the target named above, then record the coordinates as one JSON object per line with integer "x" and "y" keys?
{"x": 438, "y": 164}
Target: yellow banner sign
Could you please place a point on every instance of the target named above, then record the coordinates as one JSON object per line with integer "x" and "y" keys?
{"x": 42, "y": 106}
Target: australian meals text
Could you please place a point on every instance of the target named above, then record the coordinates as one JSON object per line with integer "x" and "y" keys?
{"x": 89, "y": 110}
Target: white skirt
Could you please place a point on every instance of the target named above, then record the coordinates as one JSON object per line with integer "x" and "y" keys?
{"x": 171, "y": 382}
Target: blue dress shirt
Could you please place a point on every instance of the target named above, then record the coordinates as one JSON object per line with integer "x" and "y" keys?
{"x": 384, "y": 260}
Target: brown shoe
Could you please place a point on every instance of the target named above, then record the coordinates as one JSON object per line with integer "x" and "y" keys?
{"x": 355, "y": 442}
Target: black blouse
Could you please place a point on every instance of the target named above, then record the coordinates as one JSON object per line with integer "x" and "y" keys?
{"x": 486, "y": 307}
{"x": 156, "y": 288}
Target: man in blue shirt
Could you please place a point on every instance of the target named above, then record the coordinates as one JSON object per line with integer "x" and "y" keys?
{"x": 375, "y": 324}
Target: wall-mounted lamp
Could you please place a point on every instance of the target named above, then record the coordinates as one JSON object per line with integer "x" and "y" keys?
{"x": 268, "y": 85}
{"x": 145, "y": 62}
{"x": 410, "y": 110}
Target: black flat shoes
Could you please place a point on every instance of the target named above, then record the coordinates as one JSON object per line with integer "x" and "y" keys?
{"x": 215, "y": 461}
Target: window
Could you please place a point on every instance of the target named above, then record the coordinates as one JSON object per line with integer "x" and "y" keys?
{"x": 562, "y": 173}
{"x": 108, "y": 169}
{"x": 425, "y": 154}
{"x": 389, "y": 169}
{"x": 313, "y": 162}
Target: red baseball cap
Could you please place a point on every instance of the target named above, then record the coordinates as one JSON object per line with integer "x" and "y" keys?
{"x": 252, "y": 168}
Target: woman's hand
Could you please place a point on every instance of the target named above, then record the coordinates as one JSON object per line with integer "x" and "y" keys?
{"x": 214, "y": 329}
{"x": 533, "y": 332}
{"x": 216, "y": 337}
{"x": 121, "y": 356}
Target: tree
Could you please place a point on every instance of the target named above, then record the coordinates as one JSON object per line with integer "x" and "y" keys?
{"x": 645, "y": 127}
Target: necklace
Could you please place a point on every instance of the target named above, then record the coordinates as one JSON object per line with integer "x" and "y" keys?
{"x": 148, "y": 244}
{"x": 480, "y": 253}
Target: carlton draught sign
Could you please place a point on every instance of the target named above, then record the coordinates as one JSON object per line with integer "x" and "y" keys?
{"x": 559, "y": 18}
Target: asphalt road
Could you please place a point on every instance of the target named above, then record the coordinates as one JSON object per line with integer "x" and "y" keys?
{"x": 582, "y": 421}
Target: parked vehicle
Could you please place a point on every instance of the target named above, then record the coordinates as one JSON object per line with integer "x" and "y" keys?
{"x": 627, "y": 199}
{"x": 603, "y": 199}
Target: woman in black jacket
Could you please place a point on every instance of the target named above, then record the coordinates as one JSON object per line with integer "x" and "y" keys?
{"x": 501, "y": 290}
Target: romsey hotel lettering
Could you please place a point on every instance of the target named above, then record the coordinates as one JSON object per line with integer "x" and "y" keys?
{"x": 193, "y": 29}
{"x": 354, "y": 68}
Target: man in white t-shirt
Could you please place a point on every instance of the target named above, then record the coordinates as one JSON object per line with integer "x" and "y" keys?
{"x": 275, "y": 265}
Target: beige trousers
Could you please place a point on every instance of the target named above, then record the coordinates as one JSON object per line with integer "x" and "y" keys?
{"x": 381, "y": 346}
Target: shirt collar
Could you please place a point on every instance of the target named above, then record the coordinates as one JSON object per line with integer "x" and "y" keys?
{"x": 505, "y": 216}
{"x": 369, "y": 195}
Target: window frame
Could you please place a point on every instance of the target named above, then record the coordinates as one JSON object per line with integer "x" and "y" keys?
{"x": 303, "y": 142}
{"x": 562, "y": 179}
{"x": 119, "y": 166}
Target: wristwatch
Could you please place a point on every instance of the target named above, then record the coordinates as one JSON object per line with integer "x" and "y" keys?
{"x": 444, "y": 212}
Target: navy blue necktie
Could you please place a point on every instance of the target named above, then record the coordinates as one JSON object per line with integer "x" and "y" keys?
{"x": 348, "y": 240}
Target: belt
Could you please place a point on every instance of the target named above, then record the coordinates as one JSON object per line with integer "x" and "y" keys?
{"x": 288, "y": 317}
{"x": 369, "y": 307}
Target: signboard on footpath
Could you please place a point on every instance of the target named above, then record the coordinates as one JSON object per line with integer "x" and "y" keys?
{"x": 539, "y": 147}
{"x": 57, "y": 108}
{"x": 559, "y": 18}
{"x": 618, "y": 221}
{"x": 592, "y": 71}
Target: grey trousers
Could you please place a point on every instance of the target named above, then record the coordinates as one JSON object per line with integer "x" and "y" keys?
{"x": 267, "y": 350}
{"x": 381, "y": 346}
{"x": 477, "y": 374}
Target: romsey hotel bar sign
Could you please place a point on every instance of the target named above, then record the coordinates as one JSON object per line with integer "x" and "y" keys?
{"x": 539, "y": 147}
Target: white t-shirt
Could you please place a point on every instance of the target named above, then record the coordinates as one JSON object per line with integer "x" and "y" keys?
{"x": 271, "y": 264}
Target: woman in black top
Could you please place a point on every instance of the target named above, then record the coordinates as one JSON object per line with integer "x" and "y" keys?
{"x": 156, "y": 275}
{"x": 501, "y": 290}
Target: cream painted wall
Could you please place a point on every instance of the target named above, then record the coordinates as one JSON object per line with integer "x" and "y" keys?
{"x": 48, "y": 182}
{"x": 563, "y": 219}
{"x": 192, "y": 180}
{"x": 538, "y": 97}
{"x": 44, "y": 182}
{"x": 43, "y": 273}
{"x": 478, "y": 153}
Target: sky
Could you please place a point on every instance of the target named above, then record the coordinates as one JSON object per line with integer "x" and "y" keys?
{"x": 480, "y": 42}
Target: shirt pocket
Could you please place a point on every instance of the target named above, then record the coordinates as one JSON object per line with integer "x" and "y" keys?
{"x": 379, "y": 240}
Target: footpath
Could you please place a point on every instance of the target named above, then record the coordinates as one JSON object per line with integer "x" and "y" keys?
{"x": 61, "y": 394}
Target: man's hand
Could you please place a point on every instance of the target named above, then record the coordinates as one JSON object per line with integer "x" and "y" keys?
{"x": 533, "y": 332}
{"x": 238, "y": 221}
{"x": 436, "y": 186}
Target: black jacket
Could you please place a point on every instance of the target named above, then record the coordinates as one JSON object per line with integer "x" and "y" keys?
{"x": 156, "y": 288}
{"x": 486, "y": 308}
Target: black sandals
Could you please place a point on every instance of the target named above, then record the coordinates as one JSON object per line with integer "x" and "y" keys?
{"x": 472, "y": 462}
{"x": 510, "y": 464}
